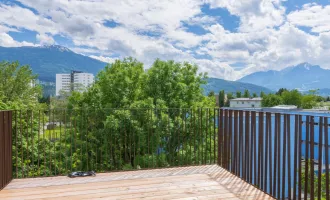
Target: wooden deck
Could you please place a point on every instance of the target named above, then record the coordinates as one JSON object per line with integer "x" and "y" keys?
{"x": 199, "y": 182}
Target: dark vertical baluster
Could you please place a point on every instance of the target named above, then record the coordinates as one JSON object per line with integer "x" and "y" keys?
{"x": 279, "y": 122}
{"x": 270, "y": 137}
{"x": 235, "y": 142}
{"x": 194, "y": 130}
{"x": 32, "y": 141}
{"x": 131, "y": 140}
{"x": 202, "y": 137}
{"x": 247, "y": 143}
{"x": 66, "y": 163}
{"x": 169, "y": 137}
{"x": 214, "y": 135}
{"x": 230, "y": 141}
{"x": 27, "y": 142}
{"x": 289, "y": 155}
{"x": 261, "y": 132}
{"x": 220, "y": 134}
{"x": 299, "y": 156}
{"x": 191, "y": 129}
{"x": 43, "y": 136}
{"x": 81, "y": 134}
{"x": 254, "y": 148}
{"x": 86, "y": 137}
{"x": 49, "y": 139}
{"x": 259, "y": 148}
{"x": 60, "y": 144}
{"x": 177, "y": 130}
{"x": 54, "y": 139}
{"x": 275, "y": 154}
{"x": 225, "y": 139}
{"x": 16, "y": 145}
{"x": 241, "y": 142}
{"x": 148, "y": 136}
{"x": 210, "y": 133}
{"x": 319, "y": 194}
{"x": 266, "y": 154}
{"x": 284, "y": 155}
{"x": 22, "y": 147}
{"x": 151, "y": 137}
{"x": 184, "y": 135}
{"x": 306, "y": 157}
{"x": 243, "y": 133}
{"x": 295, "y": 158}
{"x": 71, "y": 140}
{"x": 327, "y": 183}
{"x": 312, "y": 157}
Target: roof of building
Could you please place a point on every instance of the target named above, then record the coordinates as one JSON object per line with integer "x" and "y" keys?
{"x": 247, "y": 99}
{"x": 285, "y": 107}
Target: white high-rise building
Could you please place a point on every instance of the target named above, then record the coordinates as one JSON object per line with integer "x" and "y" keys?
{"x": 63, "y": 82}
{"x": 83, "y": 79}
{"x": 77, "y": 81}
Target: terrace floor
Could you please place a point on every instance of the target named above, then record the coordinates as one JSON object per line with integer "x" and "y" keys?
{"x": 197, "y": 182}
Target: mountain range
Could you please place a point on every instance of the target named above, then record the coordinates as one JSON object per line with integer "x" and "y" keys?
{"x": 215, "y": 85}
{"x": 303, "y": 77}
{"x": 46, "y": 61}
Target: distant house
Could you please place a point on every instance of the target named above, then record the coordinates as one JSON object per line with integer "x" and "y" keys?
{"x": 245, "y": 102}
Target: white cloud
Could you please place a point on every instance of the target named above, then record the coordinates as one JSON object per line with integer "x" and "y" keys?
{"x": 104, "y": 59}
{"x": 254, "y": 14}
{"x": 15, "y": 16}
{"x": 148, "y": 29}
{"x": 45, "y": 39}
{"x": 7, "y": 41}
{"x": 312, "y": 15}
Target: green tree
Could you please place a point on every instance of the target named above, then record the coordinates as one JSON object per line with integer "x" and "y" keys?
{"x": 246, "y": 94}
{"x": 211, "y": 94}
{"x": 313, "y": 92}
{"x": 120, "y": 83}
{"x": 18, "y": 88}
{"x": 177, "y": 84}
{"x": 229, "y": 97}
{"x": 148, "y": 108}
{"x": 254, "y": 95}
{"x": 221, "y": 98}
{"x": 271, "y": 100}
{"x": 238, "y": 94}
{"x": 262, "y": 94}
{"x": 308, "y": 101}
{"x": 280, "y": 91}
{"x": 292, "y": 97}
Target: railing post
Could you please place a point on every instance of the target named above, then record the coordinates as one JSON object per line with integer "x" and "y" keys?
{"x": 6, "y": 172}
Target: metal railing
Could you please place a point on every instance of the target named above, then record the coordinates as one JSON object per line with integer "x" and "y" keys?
{"x": 56, "y": 142}
{"x": 5, "y": 148}
{"x": 284, "y": 154}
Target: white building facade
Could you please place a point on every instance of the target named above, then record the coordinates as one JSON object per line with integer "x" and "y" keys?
{"x": 246, "y": 103}
{"x": 63, "y": 82}
{"x": 77, "y": 81}
{"x": 82, "y": 80}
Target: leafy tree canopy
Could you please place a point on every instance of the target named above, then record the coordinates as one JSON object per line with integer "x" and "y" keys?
{"x": 246, "y": 94}
{"x": 18, "y": 88}
{"x": 125, "y": 84}
{"x": 271, "y": 100}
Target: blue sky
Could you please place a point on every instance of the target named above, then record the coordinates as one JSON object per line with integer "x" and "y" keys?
{"x": 225, "y": 38}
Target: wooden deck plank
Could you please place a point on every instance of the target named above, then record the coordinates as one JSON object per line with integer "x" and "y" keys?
{"x": 197, "y": 182}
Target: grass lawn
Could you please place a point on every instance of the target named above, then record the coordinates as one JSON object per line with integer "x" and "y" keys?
{"x": 55, "y": 133}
